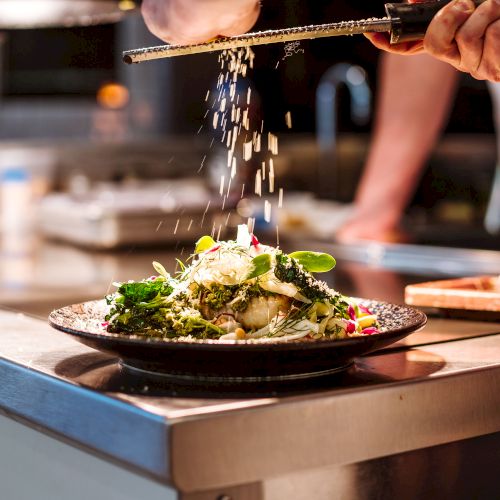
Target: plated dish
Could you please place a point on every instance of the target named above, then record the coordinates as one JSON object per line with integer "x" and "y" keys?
{"x": 244, "y": 360}
{"x": 239, "y": 290}
{"x": 309, "y": 331}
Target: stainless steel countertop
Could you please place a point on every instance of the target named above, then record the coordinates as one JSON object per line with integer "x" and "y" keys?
{"x": 398, "y": 400}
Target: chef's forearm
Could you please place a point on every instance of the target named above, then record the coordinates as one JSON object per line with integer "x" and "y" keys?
{"x": 414, "y": 102}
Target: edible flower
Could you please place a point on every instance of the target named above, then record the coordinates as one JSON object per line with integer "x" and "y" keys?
{"x": 351, "y": 312}
{"x": 213, "y": 249}
{"x": 350, "y": 326}
{"x": 364, "y": 309}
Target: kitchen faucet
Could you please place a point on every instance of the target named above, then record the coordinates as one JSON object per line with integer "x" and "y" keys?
{"x": 354, "y": 78}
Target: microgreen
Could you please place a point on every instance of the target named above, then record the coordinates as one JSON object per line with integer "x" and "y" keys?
{"x": 204, "y": 244}
{"x": 260, "y": 265}
{"x": 314, "y": 262}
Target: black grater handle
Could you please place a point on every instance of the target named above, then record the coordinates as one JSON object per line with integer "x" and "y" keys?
{"x": 411, "y": 20}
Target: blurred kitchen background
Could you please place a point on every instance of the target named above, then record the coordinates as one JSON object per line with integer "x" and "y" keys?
{"x": 98, "y": 155}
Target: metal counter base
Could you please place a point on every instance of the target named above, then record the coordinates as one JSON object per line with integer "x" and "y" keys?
{"x": 405, "y": 423}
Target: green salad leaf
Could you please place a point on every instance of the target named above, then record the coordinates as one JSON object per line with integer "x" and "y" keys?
{"x": 260, "y": 265}
{"x": 314, "y": 262}
{"x": 203, "y": 244}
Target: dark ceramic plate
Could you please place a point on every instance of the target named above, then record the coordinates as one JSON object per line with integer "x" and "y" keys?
{"x": 214, "y": 360}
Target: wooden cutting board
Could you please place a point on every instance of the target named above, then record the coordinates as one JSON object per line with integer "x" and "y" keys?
{"x": 481, "y": 293}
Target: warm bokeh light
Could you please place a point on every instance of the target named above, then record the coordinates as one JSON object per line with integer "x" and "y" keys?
{"x": 126, "y": 5}
{"x": 113, "y": 96}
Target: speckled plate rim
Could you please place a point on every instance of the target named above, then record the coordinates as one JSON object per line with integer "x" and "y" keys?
{"x": 59, "y": 318}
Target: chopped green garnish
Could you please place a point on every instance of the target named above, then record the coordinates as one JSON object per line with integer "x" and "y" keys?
{"x": 217, "y": 296}
{"x": 289, "y": 270}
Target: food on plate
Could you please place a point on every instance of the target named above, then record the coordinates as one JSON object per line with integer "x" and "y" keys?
{"x": 239, "y": 290}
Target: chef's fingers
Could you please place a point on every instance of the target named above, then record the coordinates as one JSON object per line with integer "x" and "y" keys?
{"x": 243, "y": 23}
{"x": 439, "y": 39}
{"x": 194, "y": 21}
{"x": 478, "y": 40}
{"x": 489, "y": 68}
{"x": 381, "y": 41}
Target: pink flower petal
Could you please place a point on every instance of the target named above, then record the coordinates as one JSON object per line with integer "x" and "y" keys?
{"x": 213, "y": 249}
{"x": 364, "y": 309}
{"x": 350, "y": 327}
{"x": 370, "y": 331}
{"x": 351, "y": 312}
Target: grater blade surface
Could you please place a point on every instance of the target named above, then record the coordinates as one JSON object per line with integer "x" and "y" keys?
{"x": 262, "y": 37}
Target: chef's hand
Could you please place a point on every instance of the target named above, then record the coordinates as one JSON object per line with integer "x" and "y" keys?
{"x": 465, "y": 36}
{"x": 195, "y": 21}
